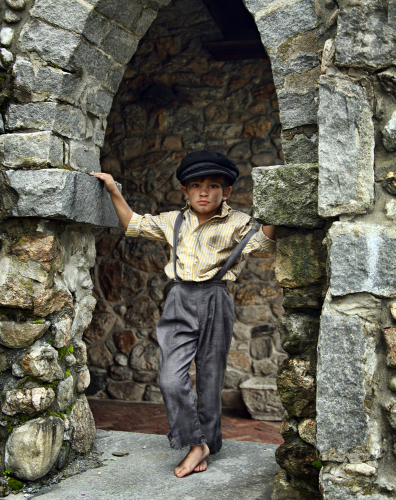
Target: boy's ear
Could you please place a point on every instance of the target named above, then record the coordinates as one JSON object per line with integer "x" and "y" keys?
{"x": 184, "y": 191}
{"x": 227, "y": 192}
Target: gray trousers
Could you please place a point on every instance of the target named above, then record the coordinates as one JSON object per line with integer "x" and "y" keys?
{"x": 197, "y": 322}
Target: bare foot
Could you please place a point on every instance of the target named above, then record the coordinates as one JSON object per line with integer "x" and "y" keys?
{"x": 194, "y": 461}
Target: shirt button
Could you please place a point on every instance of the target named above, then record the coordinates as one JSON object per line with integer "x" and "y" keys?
{"x": 188, "y": 270}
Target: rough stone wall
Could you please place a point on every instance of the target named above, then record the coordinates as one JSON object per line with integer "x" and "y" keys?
{"x": 174, "y": 99}
{"x": 337, "y": 385}
{"x": 60, "y": 65}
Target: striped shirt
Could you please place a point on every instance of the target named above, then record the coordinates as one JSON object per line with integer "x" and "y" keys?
{"x": 202, "y": 248}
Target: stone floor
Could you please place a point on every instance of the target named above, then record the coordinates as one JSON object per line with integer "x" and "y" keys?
{"x": 150, "y": 418}
{"x": 240, "y": 470}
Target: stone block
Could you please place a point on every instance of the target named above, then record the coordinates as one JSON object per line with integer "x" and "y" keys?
{"x": 70, "y": 14}
{"x": 279, "y": 23}
{"x": 120, "y": 44}
{"x": 83, "y": 426}
{"x": 298, "y": 332}
{"x": 361, "y": 259}
{"x": 39, "y": 149}
{"x": 261, "y": 397}
{"x": 27, "y": 401}
{"x": 278, "y": 188}
{"x": 366, "y": 34}
{"x": 123, "y": 11}
{"x": 305, "y": 297}
{"x": 346, "y": 167}
{"x": 46, "y": 82}
{"x": 64, "y": 195}
{"x": 342, "y": 422}
{"x": 84, "y": 156}
{"x": 32, "y": 448}
{"x": 99, "y": 102}
{"x": 300, "y": 257}
{"x": 296, "y": 457}
{"x": 63, "y": 119}
{"x": 39, "y": 361}
{"x": 300, "y": 149}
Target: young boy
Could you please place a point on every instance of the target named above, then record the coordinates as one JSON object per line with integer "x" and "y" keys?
{"x": 208, "y": 241}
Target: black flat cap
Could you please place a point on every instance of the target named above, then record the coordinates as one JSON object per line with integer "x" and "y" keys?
{"x": 206, "y": 162}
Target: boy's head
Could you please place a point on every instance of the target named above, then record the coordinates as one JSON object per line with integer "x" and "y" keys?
{"x": 207, "y": 163}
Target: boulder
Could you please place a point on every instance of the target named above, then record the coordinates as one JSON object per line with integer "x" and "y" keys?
{"x": 65, "y": 393}
{"x": 307, "y": 430}
{"x": 17, "y": 335}
{"x": 33, "y": 448}
{"x": 296, "y": 457}
{"x": 298, "y": 331}
{"x": 262, "y": 399}
{"x": 296, "y": 387}
{"x": 39, "y": 361}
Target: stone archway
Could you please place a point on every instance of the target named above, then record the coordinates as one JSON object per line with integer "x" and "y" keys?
{"x": 61, "y": 65}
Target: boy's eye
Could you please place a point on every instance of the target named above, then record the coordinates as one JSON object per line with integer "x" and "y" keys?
{"x": 195, "y": 185}
{"x": 214, "y": 186}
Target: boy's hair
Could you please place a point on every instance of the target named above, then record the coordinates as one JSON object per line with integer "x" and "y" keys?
{"x": 222, "y": 179}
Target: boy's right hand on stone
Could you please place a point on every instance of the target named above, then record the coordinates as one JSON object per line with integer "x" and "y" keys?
{"x": 108, "y": 180}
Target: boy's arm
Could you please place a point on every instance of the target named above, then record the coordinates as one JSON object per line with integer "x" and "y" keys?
{"x": 269, "y": 232}
{"x": 123, "y": 210}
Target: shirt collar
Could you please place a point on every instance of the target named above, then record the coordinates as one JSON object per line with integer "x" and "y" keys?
{"x": 225, "y": 210}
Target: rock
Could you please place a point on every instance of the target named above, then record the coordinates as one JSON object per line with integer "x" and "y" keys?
{"x": 98, "y": 355}
{"x": 153, "y": 394}
{"x": 304, "y": 297}
{"x": 84, "y": 156}
{"x": 391, "y": 407}
{"x": 142, "y": 313}
{"x": 392, "y": 383}
{"x": 100, "y": 326}
{"x": 6, "y": 58}
{"x": 65, "y": 392}
{"x": 43, "y": 250}
{"x": 360, "y": 469}
{"x": 47, "y": 301}
{"x": 307, "y": 430}
{"x": 70, "y": 359}
{"x": 61, "y": 194}
{"x": 232, "y": 379}
{"x": 289, "y": 427}
{"x": 125, "y": 340}
{"x": 27, "y": 401}
{"x": 16, "y": 4}
{"x": 239, "y": 360}
{"x": 390, "y": 342}
{"x": 80, "y": 352}
{"x": 389, "y": 134}
{"x": 296, "y": 457}
{"x": 254, "y": 314}
{"x": 390, "y": 185}
{"x": 125, "y": 391}
{"x": 296, "y": 387}
{"x": 83, "y": 379}
{"x": 62, "y": 332}
{"x": 300, "y": 258}
{"x": 276, "y": 187}
{"x": 343, "y": 351}
{"x": 17, "y": 335}
{"x": 39, "y": 361}
{"x": 33, "y": 448}
{"x": 83, "y": 426}
{"x": 144, "y": 356}
{"x": 231, "y": 398}
{"x": 83, "y": 316}
{"x": 241, "y": 331}
{"x": 118, "y": 279}
{"x": 11, "y": 17}
{"x": 301, "y": 149}
{"x": 298, "y": 332}
{"x": 262, "y": 399}
{"x": 265, "y": 367}
{"x": 121, "y": 359}
{"x": 39, "y": 149}
{"x": 260, "y": 347}
{"x": 346, "y": 173}
{"x": 6, "y": 36}
{"x": 254, "y": 293}
{"x": 365, "y": 35}
{"x": 122, "y": 373}
{"x": 63, "y": 456}
{"x": 284, "y": 491}
{"x": 356, "y": 269}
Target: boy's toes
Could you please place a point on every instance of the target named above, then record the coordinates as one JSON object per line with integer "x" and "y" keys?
{"x": 201, "y": 466}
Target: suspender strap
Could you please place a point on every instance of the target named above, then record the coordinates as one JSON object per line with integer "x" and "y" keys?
{"x": 176, "y": 231}
{"x": 234, "y": 255}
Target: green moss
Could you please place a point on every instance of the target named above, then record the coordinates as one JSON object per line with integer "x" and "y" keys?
{"x": 55, "y": 65}
{"x": 67, "y": 373}
{"x": 38, "y": 322}
{"x": 58, "y": 414}
{"x": 14, "y": 484}
{"x": 65, "y": 167}
{"x": 64, "y": 350}
{"x": 7, "y": 472}
{"x": 317, "y": 464}
{"x": 68, "y": 410}
{"x": 24, "y": 418}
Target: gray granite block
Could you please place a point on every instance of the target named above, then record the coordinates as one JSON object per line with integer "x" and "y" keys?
{"x": 61, "y": 194}
{"x": 346, "y": 148}
{"x": 362, "y": 259}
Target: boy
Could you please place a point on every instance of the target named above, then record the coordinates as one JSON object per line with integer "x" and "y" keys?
{"x": 207, "y": 239}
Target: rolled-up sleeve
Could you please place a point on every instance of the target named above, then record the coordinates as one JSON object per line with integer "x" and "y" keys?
{"x": 260, "y": 243}
{"x": 148, "y": 226}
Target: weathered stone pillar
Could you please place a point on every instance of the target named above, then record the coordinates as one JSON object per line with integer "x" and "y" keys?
{"x": 60, "y": 65}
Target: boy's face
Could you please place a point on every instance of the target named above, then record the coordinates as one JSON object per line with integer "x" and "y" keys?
{"x": 206, "y": 194}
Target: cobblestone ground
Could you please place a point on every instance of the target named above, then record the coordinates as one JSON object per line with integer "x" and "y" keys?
{"x": 150, "y": 418}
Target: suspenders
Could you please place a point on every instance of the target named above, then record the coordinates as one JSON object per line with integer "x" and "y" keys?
{"x": 229, "y": 262}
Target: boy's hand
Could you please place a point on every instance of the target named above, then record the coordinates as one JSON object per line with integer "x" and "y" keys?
{"x": 108, "y": 180}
